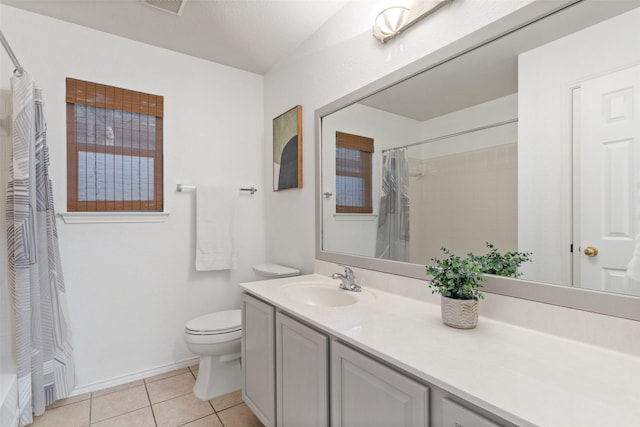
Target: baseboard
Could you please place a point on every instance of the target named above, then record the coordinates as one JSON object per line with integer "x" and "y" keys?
{"x": 134, "y": 376}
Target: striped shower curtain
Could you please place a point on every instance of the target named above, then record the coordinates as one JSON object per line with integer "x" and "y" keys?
{"x": 43, "y": 336}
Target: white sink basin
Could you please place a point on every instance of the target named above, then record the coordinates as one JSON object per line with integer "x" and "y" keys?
{"x": 324, "y": 294}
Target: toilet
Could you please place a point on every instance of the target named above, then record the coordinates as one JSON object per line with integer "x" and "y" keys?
{"x": 215, "y": 337}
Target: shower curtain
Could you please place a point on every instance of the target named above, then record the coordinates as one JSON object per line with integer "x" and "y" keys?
{"x": 43, "y": 338}
{"x": 393, "y": 217}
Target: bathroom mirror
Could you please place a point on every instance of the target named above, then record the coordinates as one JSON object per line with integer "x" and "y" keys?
{"x": 513, "y": 153}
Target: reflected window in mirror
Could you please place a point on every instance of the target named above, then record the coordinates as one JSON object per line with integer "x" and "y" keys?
{"x": 354, "y": 156}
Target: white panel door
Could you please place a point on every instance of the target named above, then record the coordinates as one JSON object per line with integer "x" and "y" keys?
{"x": 302, "y": 375}
{"x": 609, "y": 170}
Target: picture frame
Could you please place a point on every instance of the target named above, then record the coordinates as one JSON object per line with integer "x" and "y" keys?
{"x": 287, "y": 150}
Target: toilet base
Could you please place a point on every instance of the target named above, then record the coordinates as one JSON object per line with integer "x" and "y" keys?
{"x": 216, "y": 377}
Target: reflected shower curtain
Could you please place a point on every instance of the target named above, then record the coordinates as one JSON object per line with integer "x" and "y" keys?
{"x": 393, "y": 217}
{"x": 43, "y": 338}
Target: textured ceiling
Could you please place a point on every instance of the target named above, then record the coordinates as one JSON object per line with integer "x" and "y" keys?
{"x": 250, "y": 35}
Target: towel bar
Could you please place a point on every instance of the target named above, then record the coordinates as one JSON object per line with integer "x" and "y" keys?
{"x": 183, "y": 187}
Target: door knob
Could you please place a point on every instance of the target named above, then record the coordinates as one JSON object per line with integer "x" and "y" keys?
{"x": 591, "y": 251}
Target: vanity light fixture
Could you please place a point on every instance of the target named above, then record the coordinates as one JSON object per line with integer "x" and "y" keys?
{"x": 396, "y": 18}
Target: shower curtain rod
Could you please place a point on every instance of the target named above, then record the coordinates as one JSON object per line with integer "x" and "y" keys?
{"x": 451, "y": 135}
{"x": 19, "y": 70}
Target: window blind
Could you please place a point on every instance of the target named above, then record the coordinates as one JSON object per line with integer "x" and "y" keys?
{"x": 354, "y": 156}
{"x": 114, "y": 148}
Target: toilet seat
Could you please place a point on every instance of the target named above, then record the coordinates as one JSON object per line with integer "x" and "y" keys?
{"x": 218, "y": 323}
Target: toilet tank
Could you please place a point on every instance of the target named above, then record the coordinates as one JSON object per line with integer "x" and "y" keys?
{"x": 273, "y": 271}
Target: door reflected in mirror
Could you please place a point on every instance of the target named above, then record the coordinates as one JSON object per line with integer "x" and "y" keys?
{"x": 528, "y": 142}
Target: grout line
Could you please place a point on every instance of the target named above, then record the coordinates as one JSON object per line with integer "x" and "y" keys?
{"x": 167, "y": 377}
{"x": 228, "y": 407}
{"x": 219, "y": 419}
{"x": 122, "y": 388}
{"x": 153, "y": 414}
{"x": 90, "y": 407}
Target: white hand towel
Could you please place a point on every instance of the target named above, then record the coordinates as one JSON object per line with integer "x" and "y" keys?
{"x": 215, "y": 234}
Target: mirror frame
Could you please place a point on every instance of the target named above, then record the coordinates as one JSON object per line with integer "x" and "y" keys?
{"x": 610, "y": 304}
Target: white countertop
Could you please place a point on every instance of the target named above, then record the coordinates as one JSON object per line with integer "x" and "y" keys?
{"x": 523, "y": 376}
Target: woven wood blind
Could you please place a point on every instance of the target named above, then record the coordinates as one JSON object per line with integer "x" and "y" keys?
{"x": 114, "y": 148}
{"x": 354, "y": 156}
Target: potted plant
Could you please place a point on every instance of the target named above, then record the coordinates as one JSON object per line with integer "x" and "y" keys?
{"x": 502, "y": 264}
{"x": 458, "y": 280}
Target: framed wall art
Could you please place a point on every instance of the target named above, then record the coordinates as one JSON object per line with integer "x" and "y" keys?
{"x": 287, "y": 150}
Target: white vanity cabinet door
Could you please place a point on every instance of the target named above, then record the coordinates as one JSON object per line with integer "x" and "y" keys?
{"x": 302, "y": 359}
{"x": 258, "y": 358}
{"x": 454, "y": 415}
{"x": 366, "y": 393}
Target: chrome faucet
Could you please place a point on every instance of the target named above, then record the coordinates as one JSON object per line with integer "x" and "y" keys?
{"x": 348, "y": 280}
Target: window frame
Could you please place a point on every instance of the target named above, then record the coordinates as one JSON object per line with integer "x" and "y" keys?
{"x": 97, "y": 95}
{"x": 364, "y": 145}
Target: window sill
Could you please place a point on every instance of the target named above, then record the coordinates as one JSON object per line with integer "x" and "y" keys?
{"x": 355, "y": 217}
{"x": 112, "y": 217}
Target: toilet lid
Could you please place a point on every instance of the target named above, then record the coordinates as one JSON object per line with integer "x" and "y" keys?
{"x": 218, "y": 322}
{"x": 275, "y": 270}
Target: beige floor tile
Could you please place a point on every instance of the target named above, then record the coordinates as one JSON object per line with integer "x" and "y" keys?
{"x": 181, "y": 410}
{"x": 118, "y": 403}
{"x": 210, "y": 421}
{"x": 239, "y": 416}
{"x": 195, "y": 372}
{"x": 166, "y": 375}
{"x": 169, "y": 388}
{"x": 72, "y": 415}
{"x": 117, "y": 388}
{"x": 69, "y": 400}
{"x": 140, "y": 418}
{"x": 227, "y": 400}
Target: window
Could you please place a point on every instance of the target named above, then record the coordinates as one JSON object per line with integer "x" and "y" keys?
{"x": 114, "y": 149}
{"x": 354, "y": 155}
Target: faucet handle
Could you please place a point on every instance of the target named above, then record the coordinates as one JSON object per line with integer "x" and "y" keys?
{"x": 348, "y": 272}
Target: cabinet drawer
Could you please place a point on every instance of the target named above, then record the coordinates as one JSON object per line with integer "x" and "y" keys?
{"x": 455, "y": 415}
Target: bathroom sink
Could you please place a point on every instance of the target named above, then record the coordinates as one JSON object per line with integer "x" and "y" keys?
{"x": 324, "y": 295}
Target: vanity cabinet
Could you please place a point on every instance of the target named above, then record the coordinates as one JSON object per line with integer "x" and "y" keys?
{"x": 367, "y": 393}
{"x": 302, "y": 374}
{"x": 258, "y": 358}
{"x": 455, "y": 415}
{"x": 294, "y": 375}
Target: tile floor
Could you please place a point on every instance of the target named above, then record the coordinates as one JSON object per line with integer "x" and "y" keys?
{"x": 164, "y": 400}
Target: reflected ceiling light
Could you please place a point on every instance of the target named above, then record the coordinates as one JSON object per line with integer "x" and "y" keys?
{"x": 396, "y": 18}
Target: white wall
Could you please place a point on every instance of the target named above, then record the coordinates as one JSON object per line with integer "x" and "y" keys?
{"x": 340, "y": 58}
{"x": 545, "y": 78}
{"x": 132, "y": 287}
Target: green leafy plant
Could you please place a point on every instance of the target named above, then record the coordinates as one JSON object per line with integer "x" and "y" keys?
{"x": 501, "y": 264}
{"x": 456, "y": 277}
{"x": 460, "y": 278}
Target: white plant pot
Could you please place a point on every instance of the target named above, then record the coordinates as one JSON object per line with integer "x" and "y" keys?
{"x": 459, "y": 313}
